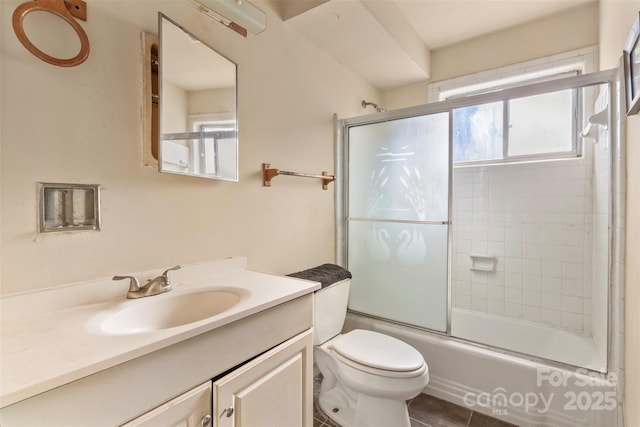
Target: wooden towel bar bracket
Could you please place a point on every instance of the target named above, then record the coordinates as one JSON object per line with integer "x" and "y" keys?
{"x": 269, "y": 173}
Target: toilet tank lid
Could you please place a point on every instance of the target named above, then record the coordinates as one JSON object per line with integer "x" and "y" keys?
{"x": 326, "y": 274}
{"x": 378, "y": 351}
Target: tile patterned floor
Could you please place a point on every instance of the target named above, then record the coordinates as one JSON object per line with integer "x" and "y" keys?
{"x": 424, "y": 411}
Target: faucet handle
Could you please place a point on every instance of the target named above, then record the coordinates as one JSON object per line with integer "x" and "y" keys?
{"x": 177, "y": 267}
{"x": 134, "y": 285}
{"x": 166, "y": 276}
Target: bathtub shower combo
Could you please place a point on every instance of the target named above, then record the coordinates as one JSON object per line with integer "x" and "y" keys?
{"x": 482, "y": 231}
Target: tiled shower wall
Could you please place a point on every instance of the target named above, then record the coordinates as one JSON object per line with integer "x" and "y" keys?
{"x": 536, "y": 219}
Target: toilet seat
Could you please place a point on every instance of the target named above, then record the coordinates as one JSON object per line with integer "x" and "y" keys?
{"x": 378, "y": 354}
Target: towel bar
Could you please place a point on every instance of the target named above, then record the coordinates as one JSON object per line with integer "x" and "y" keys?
{"x": 270, "y": 173}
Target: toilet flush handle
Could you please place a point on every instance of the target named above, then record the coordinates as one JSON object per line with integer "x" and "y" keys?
{"x": 228, "y": 412}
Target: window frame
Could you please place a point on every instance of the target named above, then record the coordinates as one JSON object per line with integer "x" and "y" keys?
{"x": 576, "y": 146}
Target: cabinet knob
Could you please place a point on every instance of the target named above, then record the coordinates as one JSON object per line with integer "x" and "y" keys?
{"x": 206, "y": 420}
{"x": 228, "y": 412}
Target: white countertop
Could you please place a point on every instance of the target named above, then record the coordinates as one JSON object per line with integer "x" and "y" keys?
{"x": 48, "y": 338}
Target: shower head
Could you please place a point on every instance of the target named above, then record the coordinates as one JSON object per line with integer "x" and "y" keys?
{"x": 374, "y": 105}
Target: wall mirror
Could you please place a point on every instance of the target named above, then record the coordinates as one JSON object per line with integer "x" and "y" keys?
{"x": 198, "y": 107}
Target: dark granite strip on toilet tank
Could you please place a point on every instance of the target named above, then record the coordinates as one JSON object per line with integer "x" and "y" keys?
{"x": 326, "y": 274}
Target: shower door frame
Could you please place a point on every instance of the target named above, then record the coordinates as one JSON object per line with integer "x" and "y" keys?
{"x": 341, "y": 135}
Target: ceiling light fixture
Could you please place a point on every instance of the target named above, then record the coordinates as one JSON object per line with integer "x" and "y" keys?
{"x": 238, "y": 15}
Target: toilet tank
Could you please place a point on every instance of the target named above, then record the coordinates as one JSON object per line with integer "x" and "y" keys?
{"x": 330, "y": 310}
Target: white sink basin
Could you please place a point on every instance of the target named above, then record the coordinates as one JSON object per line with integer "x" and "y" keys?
{"x": 168, "y": 310}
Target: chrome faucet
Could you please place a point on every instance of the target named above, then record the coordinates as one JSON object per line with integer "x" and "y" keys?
{"x": 158, "y": 285}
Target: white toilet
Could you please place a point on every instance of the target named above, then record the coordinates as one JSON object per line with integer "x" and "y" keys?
{"x": 367, "y": 376}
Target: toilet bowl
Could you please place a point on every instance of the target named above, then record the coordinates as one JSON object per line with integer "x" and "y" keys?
{"x": 369, "y": 388}
{"x": 367, "y": 377}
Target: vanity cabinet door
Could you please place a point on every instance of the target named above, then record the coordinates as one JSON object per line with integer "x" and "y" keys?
{"x": 191, "y": 409}
{"x": 275, "y": 389}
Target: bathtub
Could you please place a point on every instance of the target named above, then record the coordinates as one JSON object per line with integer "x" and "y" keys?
{"x": 535, "y": 339}
{"x": 505, "y": 386}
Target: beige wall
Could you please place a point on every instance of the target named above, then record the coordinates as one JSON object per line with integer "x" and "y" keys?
{"x": 82, "y": 125}
{"x": 616, "y": 18}
{"x": 632, "y": 274}
{"x": 570, "y": 30}
{"x": 405, "y": 96}
{"x": 574, "y": 29}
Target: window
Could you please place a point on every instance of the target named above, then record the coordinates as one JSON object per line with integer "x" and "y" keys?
{"x": 477, "y": 132}
{"x": 213, "y": 146}
{"x": 540, "y": 126}
{"x": 537, "y": 126}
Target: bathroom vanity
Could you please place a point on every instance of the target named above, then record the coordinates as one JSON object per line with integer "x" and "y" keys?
{"x": 92, "y": 359}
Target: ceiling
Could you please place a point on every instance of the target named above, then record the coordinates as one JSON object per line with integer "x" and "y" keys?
{"x": 388, "y": 42}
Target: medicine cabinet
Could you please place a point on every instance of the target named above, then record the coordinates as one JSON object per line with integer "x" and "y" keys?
{"x": 198, "y": 133}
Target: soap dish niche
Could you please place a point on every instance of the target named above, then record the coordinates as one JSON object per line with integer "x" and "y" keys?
{"x": 483, "y": 262}
{"x": 69, "y": 207}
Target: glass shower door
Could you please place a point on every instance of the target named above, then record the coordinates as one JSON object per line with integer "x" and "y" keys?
{"x": 398, "y": 219}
